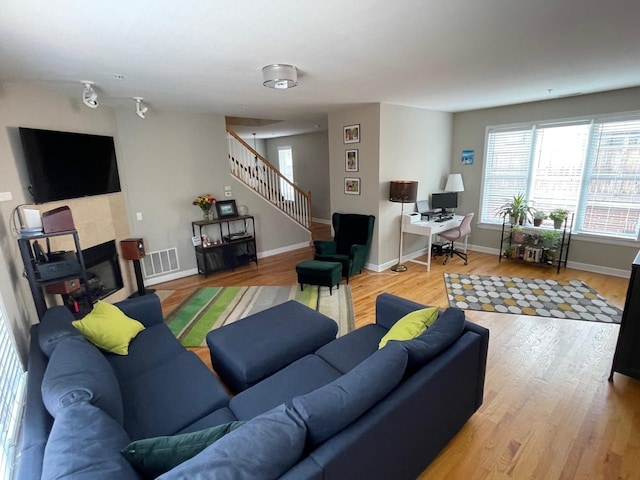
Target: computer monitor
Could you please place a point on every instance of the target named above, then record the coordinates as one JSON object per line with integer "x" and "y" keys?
{"x": 443, "y": 201}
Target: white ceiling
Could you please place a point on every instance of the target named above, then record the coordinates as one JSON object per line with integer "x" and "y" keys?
{"x": 207, "y": 55}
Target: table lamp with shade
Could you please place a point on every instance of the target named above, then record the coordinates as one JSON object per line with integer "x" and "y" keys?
{"x": 454, "y": 183}
{"x": 402, "y": 191}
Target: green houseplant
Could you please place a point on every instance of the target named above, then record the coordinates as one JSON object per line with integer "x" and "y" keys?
{"x": 558, "y": 215}
{"x": 550, "y": 238}
{"x": 517, "y": 234}
{"x": 538, "y": 217}
{"x": 518, "y": 210}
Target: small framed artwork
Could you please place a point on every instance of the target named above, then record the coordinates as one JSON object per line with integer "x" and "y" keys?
{"x": 352, "y": 186}
{"x": 351, "y": 161}
{"x": 351, "y": 134}
{"x": 467, "y": 157}
{"x": 226, "y": 208}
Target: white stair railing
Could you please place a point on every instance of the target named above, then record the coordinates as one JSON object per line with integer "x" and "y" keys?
{"x": 262, "y": 177}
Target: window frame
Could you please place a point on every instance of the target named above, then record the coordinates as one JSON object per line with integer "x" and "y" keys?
{"x": 487, "y": 218}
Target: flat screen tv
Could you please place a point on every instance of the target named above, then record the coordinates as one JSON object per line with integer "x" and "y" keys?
{"x": 442, "y": 201}
{"x": 65, "y": 165}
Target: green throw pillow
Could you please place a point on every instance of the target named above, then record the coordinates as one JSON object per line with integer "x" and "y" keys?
{"x": 108, "y": 328}
{"x": 151, "y": 457}
{"x": 411, "y": 325}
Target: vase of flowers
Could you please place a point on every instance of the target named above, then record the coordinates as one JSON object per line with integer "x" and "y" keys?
{"x": 205, "y": 202}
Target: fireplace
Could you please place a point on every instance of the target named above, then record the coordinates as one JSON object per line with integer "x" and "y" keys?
{"x": 104, "y": 276}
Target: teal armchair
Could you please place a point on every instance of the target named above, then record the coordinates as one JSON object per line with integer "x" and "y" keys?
{"x": 351, "y": 243}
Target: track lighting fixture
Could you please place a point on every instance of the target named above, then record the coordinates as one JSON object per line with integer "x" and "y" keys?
{"x": 141, "y": 108}
{"x": 89, "y": 95}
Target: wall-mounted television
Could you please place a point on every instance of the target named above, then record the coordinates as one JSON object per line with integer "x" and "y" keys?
{"x": 443, "y": 201}
{"x": 65, "y": 165}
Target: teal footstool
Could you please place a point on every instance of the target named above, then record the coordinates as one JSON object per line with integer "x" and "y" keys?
{"x": 317, "y": 272}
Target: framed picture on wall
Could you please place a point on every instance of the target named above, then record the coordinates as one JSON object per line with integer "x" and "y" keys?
{"x": 352, "y": 186}
{"x": 351, "y": 134}
{"x": 351, "y": 161}
{"x": 226, "y": 208}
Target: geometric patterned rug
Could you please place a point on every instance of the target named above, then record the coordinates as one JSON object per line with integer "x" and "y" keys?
{"x": 570, "y": 299}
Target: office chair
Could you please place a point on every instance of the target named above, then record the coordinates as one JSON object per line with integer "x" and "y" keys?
{"x": 457, "y": 234}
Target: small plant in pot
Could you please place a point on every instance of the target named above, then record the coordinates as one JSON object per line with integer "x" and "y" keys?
{"x": 558, "y": 216}
{"x": 538, "y": 217}
{"x": 517, "y": 234}
{"x": 550, "y": 238}
{"x": 518, "y": 210}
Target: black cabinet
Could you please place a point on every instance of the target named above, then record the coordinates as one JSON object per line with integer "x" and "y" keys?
{"x": 232, "y": 243}
{"x": 45, "y": 269}
{"x": 626, "y": 359}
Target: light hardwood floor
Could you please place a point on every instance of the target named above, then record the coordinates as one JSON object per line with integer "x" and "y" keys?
{"x": 549, "y": 411}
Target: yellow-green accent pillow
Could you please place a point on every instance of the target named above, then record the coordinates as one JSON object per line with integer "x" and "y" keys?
{"x": 108, "y": 328}
{"x": 411, "y": 325}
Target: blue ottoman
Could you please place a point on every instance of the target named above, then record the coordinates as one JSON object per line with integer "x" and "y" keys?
{"x": 318, "y": 272}
{"x": 255, "y": 347}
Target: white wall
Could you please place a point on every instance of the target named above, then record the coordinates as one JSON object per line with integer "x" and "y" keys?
{"x": 310, "y": 167}
{"x": 469, "y": 133}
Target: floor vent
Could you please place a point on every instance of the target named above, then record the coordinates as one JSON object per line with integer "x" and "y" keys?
{"x": 160, "y": 262}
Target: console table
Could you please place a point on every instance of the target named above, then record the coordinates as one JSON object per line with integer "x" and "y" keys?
{"x": 428, "y": 228}
{"x": 234, "y": 243}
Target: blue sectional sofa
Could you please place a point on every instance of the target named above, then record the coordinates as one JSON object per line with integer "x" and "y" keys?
{"x": 339, "y": 411}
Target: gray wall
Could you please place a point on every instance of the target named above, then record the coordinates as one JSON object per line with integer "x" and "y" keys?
{"x": 608, "y": 256}
{"x": 310, "y": 167}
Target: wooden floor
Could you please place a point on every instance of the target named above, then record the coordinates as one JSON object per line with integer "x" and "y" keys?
{"x": 549, "y": 411}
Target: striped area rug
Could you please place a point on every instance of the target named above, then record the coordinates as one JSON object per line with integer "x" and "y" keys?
{"x": 571, "y": 299}
{"x": 212, "y": 307}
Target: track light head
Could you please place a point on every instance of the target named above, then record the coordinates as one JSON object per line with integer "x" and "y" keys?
{"x": 89, "y": 95}
{"x": 141, "y": 108}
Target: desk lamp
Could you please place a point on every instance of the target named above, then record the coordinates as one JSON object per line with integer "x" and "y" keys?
{"x": 454, "y": 183}
{"x": 402, "y": 191}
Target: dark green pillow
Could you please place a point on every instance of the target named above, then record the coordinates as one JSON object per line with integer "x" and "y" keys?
{"x": 151, "y": 457}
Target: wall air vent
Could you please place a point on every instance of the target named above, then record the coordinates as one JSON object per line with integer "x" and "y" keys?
{"x": 160, "y": 262}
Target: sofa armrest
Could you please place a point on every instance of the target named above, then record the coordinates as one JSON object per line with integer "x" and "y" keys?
{"x": 146, "y": 309}
{"x": 391, "y": 308}
{"x": 325, "y": 247}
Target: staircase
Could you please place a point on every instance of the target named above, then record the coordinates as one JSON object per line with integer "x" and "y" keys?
{"x": 262, "y": 177}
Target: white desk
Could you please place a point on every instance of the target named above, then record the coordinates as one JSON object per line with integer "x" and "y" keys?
{"x": 428, "y": 229}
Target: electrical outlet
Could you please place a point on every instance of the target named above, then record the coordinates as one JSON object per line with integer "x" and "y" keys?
{"x": 5, "y": 196}
{"x": 227, "y": 194}
{"x": 139, "y": 216}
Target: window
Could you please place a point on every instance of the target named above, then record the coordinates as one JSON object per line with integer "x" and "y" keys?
{"x": 285, "y": 164}
{"x": 11, "y": 397}
{"x": 589, "y": 166}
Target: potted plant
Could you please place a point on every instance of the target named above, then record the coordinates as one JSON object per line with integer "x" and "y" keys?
{"x": 517, "y": 233}
{"x": 538, "y": 217}
{"x": 550, "y": 238}
{"x": 518, "y": 210}
{"x": 558, "y": 215}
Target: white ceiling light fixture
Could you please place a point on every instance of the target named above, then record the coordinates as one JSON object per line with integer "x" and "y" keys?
{"x": 89, "y": 95}
{"x": 141, "y": 108}
{"x": 280, "y": 76}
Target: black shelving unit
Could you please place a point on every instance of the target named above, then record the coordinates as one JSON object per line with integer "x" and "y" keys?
{"x": 234, "y": 245}
{"x": 57, "y": 268}
{"x": 531, "y": 249}
{"x": 626, "y": 359}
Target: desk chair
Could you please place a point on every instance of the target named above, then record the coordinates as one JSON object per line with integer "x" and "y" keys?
{"x": 457, "y": 234}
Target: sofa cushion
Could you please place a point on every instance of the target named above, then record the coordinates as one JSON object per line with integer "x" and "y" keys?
{"x": 165, "y": 399}
{"x": 85, "y": 444}
{"x": 302, "y": 376}
{"x": 151, "y": 457}
{"x": 108, "y": 328}
{"x": 411, "y": 325}
{"x": 346, "y": 352}
{"x": 217, "y": 417}
{"x": 77, "y": 371}
{"x": 446, "y": 330}
{"x": 151, "y": 347}
{"x": 55, "y": 325}
{"x": 331, "y": 408}
{"x": 262, "y": 449}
